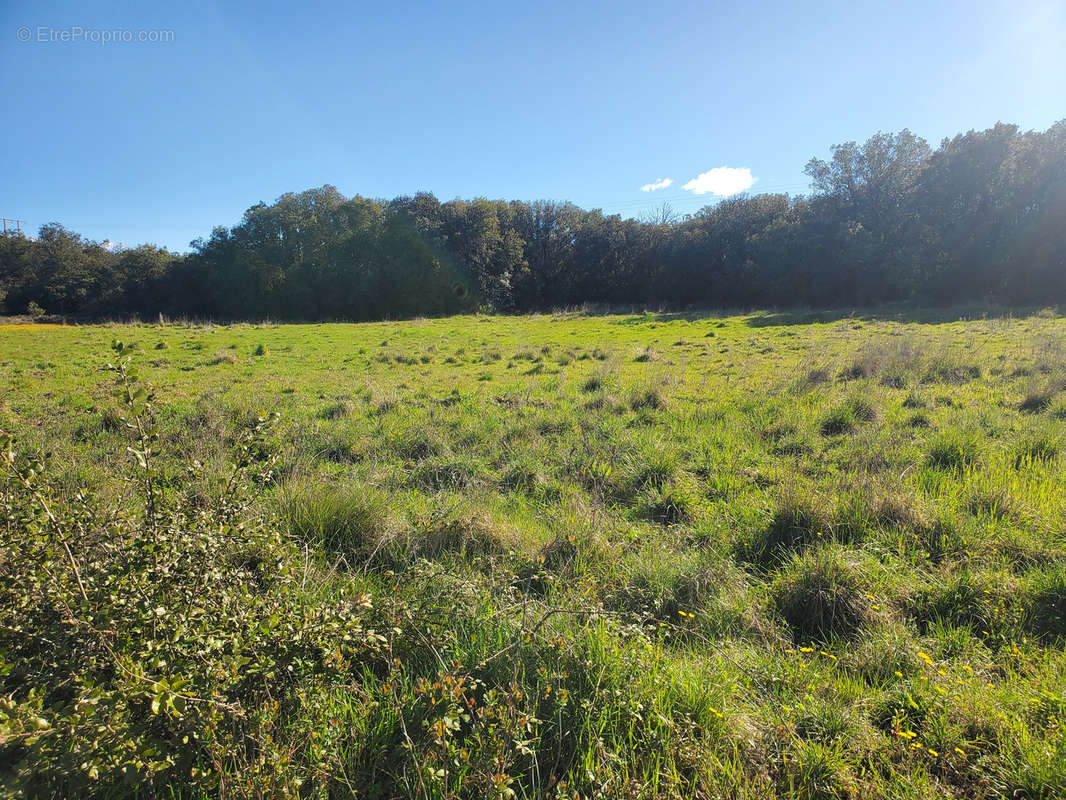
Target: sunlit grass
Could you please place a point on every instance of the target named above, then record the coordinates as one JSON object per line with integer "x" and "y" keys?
{"x": 679, "y": 555}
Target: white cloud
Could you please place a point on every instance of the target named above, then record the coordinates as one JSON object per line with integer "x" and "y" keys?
{"x": 662, "y": 183}
{"x": 721, "y": 181}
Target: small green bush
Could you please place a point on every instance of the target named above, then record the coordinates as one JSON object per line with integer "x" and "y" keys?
{"x": 152, "y": 650}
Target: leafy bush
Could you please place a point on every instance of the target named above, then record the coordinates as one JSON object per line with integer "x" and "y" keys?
{"x": 156, "y": 649}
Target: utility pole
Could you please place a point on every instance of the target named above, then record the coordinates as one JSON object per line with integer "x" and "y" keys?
{"x": 17, "y": 229}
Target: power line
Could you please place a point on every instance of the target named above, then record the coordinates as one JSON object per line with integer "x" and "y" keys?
{"x": 18, "y": 223}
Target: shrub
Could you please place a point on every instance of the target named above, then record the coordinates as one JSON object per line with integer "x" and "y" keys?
{"x": 165, "y": 648}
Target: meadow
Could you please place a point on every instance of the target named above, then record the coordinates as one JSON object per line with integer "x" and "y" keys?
{"x": 570, "y": 556}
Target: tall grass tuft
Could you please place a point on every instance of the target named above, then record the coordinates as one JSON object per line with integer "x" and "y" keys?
{"x": 821, "y": 595}
{"x": 349, "y": 518}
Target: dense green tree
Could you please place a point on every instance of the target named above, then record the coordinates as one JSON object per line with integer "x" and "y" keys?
{"x": 983, "y": 217}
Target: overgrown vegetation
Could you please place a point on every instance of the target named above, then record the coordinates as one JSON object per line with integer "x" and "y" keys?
{"x": 511, "y": 557}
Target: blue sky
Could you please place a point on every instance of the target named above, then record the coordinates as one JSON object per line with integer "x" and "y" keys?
{"x": 159, "y": 141}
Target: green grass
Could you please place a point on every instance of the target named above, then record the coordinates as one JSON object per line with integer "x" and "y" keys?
{"x": 619, "y": 556}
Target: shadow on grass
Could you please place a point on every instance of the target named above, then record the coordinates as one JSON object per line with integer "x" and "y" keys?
{"x": 807, "y": 316}
{"x": 924, "y": 316}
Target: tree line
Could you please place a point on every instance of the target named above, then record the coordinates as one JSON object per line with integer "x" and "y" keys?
{"x": 981, "y": 218}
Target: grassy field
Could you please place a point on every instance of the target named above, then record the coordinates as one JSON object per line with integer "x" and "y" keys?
{"x": 565, "y": 556}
